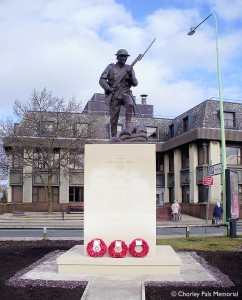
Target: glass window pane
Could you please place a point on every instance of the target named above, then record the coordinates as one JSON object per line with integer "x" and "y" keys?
{"x": 229, "y": 119}
{"x": 151, "y": 133}
{"x": 119, "y": 129}
{"x": 231, "y": 154}
{"x": 81, "y": 129}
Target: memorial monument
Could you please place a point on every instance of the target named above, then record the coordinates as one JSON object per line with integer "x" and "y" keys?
{"x": 120, "y": 197}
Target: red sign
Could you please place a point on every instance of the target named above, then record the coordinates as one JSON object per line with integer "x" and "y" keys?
{"x": 207, "y": 180}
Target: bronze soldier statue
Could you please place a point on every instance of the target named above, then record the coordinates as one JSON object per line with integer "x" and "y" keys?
{"x": 116, "y": 80}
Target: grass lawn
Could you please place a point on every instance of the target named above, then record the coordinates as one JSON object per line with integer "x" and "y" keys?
{"x": 202, "y": 244}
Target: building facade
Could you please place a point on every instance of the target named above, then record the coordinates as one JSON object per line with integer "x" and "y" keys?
{"x": 186, "y": 147}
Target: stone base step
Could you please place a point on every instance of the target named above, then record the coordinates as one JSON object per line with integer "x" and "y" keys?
{"x": 166, "y": 262}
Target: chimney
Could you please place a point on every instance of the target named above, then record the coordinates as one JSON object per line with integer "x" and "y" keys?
{"x": 143, "y": 98}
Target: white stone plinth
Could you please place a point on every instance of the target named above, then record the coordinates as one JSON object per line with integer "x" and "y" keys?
{"x": 166, "y": 262}
{"x": 120, "y": 193}
{"x": 120, "y": 204}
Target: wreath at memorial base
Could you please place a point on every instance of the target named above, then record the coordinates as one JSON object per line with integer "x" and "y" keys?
{"x": 118, "y": 249}
{"x": 139, "y": 242}
{"x": 96, "y": 248}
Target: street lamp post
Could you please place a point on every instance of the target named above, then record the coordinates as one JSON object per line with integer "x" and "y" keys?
{"x": 191, "y": 32}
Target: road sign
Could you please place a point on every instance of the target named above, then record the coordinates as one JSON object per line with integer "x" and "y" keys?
{"x": 207, "y": 180}
{"x": 216, "y": 169}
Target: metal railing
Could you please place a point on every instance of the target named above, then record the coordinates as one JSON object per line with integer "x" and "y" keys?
{"x": 188, "y": 226}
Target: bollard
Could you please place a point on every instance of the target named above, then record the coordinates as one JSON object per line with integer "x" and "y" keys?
{"x": 44, "y": 233}
{"x": 187, "y": 231}
{"x": 232, "y": 227}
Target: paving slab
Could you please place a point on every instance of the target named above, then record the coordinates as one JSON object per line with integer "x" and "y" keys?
{"x": 100, "y": 289}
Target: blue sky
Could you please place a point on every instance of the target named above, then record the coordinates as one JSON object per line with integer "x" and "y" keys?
{"x": 64, "y": 45}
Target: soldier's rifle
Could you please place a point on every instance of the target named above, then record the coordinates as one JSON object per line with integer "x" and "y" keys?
{"x": 115, "y": 85}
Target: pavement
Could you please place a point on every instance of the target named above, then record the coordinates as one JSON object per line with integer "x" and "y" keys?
{"x": 34, "y": 220}
{"x": 128, "y": 287}
{"x": 75, "y": 221}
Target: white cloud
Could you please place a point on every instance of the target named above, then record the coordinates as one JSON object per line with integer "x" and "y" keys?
{"x": 65, "y": 45}
{"x": 227, "y": 9}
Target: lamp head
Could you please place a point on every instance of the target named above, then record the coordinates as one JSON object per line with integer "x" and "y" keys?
{"x": 192, "y": 31}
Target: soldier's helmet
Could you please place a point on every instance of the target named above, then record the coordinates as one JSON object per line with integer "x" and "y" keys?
{"x": 122, "y": 52}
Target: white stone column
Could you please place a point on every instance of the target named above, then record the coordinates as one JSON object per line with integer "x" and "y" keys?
{"x": 64, "y": 186}
{"x": 193, "y": 162}
{"x": 10, "y": 158}
{"x": 214, "y": 158}
{"x": 177, "y": 176}
{"x": 166, "y": 170}
{"x": 27, "y": 182}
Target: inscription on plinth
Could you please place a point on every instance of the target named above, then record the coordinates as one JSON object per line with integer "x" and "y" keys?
{"x": 120, "y": 185}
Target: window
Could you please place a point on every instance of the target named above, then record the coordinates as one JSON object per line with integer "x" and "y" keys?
{"x": 76, "y": 194}
{"x": 76, "y": 161}
{"x": 186, "y": 194}
{"x": 119, "y": 129}
{"x": 233, "y": 155}
{"x": 159, "y": 162}
{"x": 185, "y": 158}
{"x": 81, "y": 130}
{"x": 171, "y": 194}
{"x": 185, "y": 124}
{"x": 45, "y": 160}
{"x": 16, "y": 177}
{"x": 201, "y": 171}
{"x": 40, "y": 160}
{"x": 49, "y": 128}
{"x": 171, "y": 131}
{"x": 160, "y": 180}
{"x": 229, "y": 119}
{"x": 170, "y": 179}
{"x": 18, "y": 160}
{"x": 203, "y": 154}
{"x": 202, "y": 193}
{"x": 40, "y": 179}
{"x": 185, "y": 177}
{"x": 188, "y": 122}
{"x": 152, "y": 133}
{"x": 174, "y": 129}
{"x": 171, "y": 161}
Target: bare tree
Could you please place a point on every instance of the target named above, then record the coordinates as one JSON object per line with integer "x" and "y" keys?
{"x": 50, "y": 132}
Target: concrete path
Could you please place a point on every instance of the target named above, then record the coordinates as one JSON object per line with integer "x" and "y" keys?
{"x": 100, "y": 288}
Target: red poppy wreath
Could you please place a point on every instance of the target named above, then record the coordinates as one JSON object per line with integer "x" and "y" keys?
{"x": 139, "y": 242}
{"x": 118, "y": 249}
{"x": 96, "y": 248}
